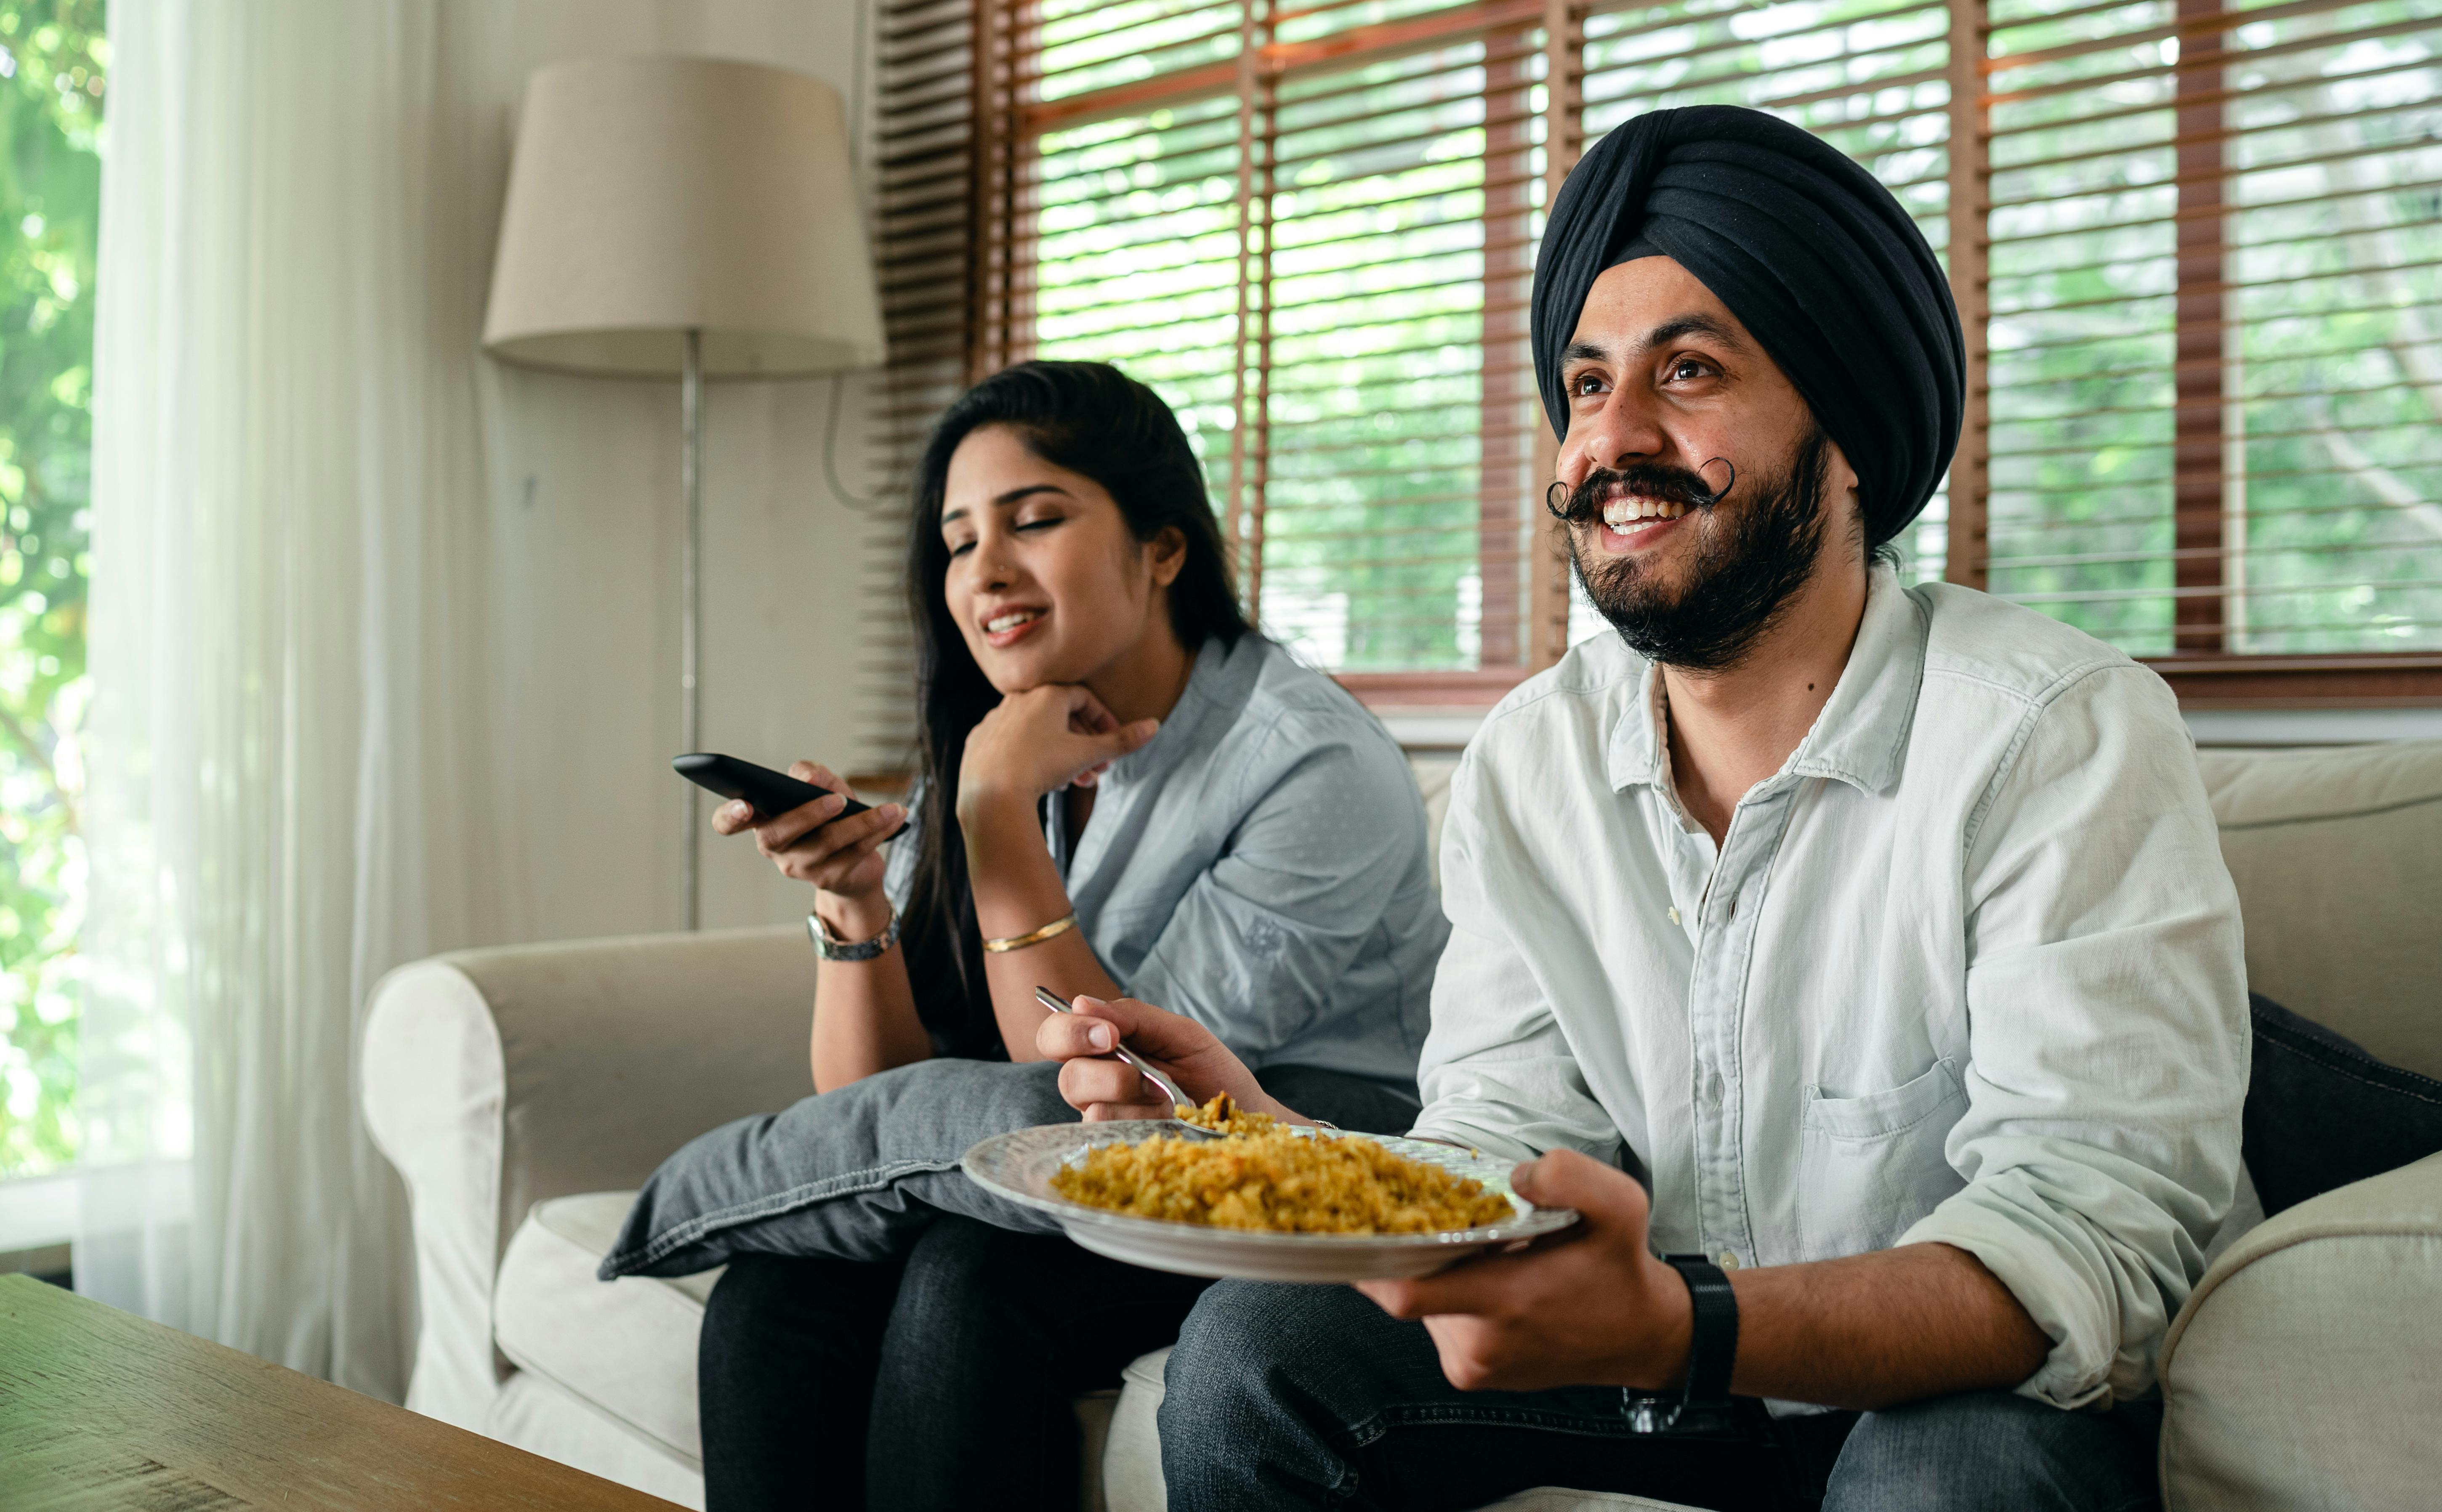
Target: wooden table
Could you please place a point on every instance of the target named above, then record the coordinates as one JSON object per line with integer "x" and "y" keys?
{"x": 100, "y": 1408}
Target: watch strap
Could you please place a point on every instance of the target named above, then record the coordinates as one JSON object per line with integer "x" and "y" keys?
{"x": 831, "y": 949}
{"x": 1703, "y": 1404}
{"x": 1713, "y": 1344}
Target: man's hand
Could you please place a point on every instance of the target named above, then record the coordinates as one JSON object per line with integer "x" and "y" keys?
{"x": 1591, "y": 1306}
{"x": 1102, "y": 1088}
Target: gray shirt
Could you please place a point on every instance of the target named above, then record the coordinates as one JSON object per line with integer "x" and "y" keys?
{"x": 1261, "y": 866}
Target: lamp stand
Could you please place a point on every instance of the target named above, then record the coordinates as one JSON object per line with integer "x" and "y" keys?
{"x": 691, "y": 600}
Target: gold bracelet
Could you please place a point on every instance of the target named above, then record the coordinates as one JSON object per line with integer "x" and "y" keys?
{"x": 1036, "y": 937}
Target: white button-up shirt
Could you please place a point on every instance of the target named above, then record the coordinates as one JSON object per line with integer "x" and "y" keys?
{"x": 1966, "y": 968}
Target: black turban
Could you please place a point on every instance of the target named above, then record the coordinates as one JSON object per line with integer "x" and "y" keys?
{"x": 1816, "y": 257}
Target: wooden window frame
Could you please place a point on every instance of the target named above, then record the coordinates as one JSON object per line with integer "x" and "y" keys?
{"x": 1000, "y": 312}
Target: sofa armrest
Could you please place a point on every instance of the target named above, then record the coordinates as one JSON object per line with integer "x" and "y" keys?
{"x": 2307, "y": 1368}
{"x": 498, "y": 1078}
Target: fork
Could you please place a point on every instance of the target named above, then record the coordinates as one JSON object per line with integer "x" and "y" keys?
{"x": 1144, "y": 1068}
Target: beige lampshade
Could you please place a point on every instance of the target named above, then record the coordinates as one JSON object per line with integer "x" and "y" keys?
{"x": 650, "y": 195}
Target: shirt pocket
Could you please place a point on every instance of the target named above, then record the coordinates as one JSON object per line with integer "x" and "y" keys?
{"x": 1870, "y": 1166}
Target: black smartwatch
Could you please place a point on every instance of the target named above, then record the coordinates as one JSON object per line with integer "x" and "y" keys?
{"x": 1703, "y": 1404}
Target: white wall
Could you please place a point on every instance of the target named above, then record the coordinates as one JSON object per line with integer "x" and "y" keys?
{"x": 584, "y": 551}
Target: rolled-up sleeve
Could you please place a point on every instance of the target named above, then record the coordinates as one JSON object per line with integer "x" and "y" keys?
{"x": 2107, "y": 1019}
{"x": 1498, "y": 1073}
{"x": 1259, "y": 943}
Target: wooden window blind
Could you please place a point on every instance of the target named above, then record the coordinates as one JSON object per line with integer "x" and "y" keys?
{"x": 2191, "y": 241}
{"x": 1312, "y": 230}
{"x": 926, "y": 212}
{"x": 2216, "y": 335}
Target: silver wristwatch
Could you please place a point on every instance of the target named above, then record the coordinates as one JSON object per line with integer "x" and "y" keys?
{"x": 830, "y": 949}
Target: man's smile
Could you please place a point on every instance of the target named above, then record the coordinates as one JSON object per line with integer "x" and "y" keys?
{"x": 1632, "y": 522}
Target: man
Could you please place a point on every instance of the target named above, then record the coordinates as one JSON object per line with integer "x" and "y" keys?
{"x": 1881, "y": 932}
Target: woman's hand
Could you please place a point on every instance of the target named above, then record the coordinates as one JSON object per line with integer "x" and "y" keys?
{"x": 843, "y": 857}
{"x": 1041, "y": 740}
{"x": 1183, "y": 1049}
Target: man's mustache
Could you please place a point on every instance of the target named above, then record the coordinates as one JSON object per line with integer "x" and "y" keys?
{"x": 1671, "y": 485}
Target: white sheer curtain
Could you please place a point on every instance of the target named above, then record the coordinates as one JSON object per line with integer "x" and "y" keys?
{"x": 287, "y": 626}
{"x": 383, "y": 636}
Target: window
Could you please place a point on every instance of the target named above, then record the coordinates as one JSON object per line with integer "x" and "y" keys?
{"x": 1311, "y": 231}
{"x": 2192, "y": 251}
{"x": 51, "y": 61}
{"x": 2215, "y": 361}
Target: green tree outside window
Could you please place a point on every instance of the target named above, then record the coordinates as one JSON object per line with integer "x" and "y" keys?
{"x": 53, "y": 56}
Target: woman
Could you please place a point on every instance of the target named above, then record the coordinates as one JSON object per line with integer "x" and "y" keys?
{"x": 1121, "y": 787}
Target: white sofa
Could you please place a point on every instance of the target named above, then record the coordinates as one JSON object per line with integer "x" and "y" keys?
{"x": 524, "y": 1093}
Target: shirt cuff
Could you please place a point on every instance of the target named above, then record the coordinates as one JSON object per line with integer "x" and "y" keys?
{"x": 2055, "y": 1282}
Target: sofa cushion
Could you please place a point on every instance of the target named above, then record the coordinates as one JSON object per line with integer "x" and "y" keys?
{"x": 625, "y": 1347}
{"x": 2305, "y": 1371}
{"x": 1132, "y": 1452}
{"x": 2334, "y": 851}
{"x": 2322, "y": 1113}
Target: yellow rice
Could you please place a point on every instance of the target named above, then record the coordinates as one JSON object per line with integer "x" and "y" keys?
{"x": 1265, "y": 1176}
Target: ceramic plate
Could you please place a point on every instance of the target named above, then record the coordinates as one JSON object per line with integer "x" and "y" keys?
{"x": 1018, "y": 1166}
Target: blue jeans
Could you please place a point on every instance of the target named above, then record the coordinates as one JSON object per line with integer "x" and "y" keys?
{"x": 857, "y": 1172}
{"x": 1287, "y": 1396}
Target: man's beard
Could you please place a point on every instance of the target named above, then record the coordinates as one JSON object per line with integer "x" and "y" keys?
{"x": 1745, "y": 568}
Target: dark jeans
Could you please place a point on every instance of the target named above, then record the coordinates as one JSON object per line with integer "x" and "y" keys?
{"x": 1285, "y": 1397}
{"x": 885, "y": 1334}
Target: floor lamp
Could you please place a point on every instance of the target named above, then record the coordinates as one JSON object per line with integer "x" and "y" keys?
{"x": 689, "y": 218}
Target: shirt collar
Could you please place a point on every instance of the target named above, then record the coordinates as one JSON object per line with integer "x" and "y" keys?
{"x": 1636, "y": 756}
{"x": 1861, "y": 734}
{"x": 1196, "y": 702}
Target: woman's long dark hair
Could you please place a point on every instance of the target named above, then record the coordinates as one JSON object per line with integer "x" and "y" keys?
{"x": 1097, "y": 422}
